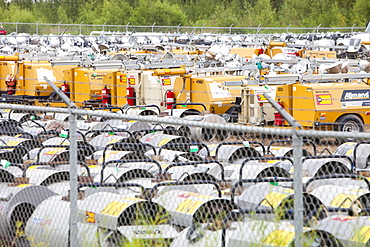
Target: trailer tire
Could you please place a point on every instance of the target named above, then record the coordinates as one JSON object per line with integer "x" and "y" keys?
{"x": 350, "y": 123}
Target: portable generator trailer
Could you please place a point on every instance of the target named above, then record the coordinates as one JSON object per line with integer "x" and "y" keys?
{"x": 319, "y": 102}
{"x": 24, "y": 80}
{"x": 96, "y": 87}
{"x": 182, "y": 90}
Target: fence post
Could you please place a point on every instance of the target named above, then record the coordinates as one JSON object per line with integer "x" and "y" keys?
{"x": 59, "y": 27}
{"x": 16, "y": 26}
{"x": 258, "y": 29}
{"x": 37, "y": 27}
{"x": 316, "y": 30}
{"x": 201, "y": 28}
{"x": 81, "y": 27}
{"x": 298, "y": 189}
{"x": 297, "y": 177}
{"x": 127, "y": 27}
{"x": 73, "y": 194}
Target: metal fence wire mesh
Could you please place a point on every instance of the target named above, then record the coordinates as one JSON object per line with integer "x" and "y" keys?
{"x": 176, "y": 181}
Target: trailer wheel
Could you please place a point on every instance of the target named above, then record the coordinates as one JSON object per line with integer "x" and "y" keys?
{"x": 350, "y": 123}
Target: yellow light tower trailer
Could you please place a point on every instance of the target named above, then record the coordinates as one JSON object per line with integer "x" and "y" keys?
{"x": 342, "y": 106}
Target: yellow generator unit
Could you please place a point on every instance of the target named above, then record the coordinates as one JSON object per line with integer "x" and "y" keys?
{"x": 340, "y": 106}
{"x": 210, "y": 91}
{"x": 27, "y": 81}
{"x": 96, "y": 87}
{"x": 32, "y": 82}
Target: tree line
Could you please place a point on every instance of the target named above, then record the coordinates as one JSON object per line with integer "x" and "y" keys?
{"x": 222, "y": 13}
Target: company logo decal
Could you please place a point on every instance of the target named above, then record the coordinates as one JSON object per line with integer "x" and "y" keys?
{"x": 352, "y": 95}
{"x": 324, "y": 99}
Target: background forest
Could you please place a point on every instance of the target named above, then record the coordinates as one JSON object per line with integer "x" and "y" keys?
{"x": 223, "y": 13}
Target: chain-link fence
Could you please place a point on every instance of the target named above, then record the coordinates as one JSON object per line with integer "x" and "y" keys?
{"x": 117, "y": 168}
{"x": 86, "y": 29}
